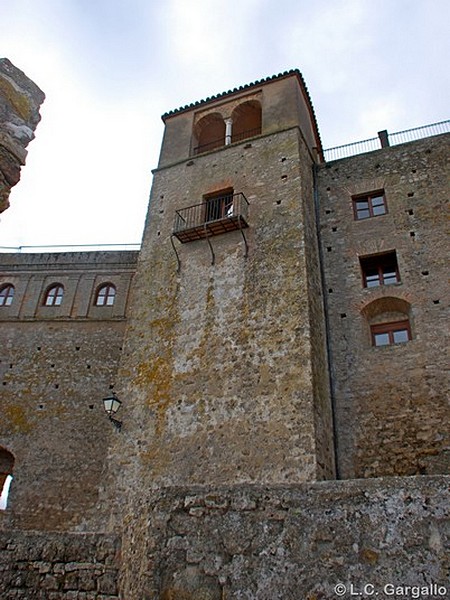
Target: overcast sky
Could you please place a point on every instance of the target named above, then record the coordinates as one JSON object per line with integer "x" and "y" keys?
{"x": 111, "y": 68}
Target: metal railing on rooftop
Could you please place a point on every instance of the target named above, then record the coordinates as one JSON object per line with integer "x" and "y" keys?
{"x": 386, "y": 139}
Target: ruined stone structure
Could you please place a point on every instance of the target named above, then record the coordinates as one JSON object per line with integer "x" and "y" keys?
{"x": 278, "y": 347}
{"x": 20, "y": 100}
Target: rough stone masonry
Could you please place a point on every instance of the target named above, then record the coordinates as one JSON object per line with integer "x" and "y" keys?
{"x": 20, "y": 100}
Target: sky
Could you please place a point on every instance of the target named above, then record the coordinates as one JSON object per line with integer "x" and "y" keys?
{"x": 111, "y": 68}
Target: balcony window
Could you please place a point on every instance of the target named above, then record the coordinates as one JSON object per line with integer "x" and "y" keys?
{"x": 218, "y": 213}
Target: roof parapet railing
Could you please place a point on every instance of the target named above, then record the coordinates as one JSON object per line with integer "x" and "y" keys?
{"x": 385, "y": 139}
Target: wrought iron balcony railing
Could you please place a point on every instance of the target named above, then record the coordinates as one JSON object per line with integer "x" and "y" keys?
{"x": 214, "y": 216}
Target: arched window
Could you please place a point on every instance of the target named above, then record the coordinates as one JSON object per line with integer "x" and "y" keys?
{"x": 54, "y": 295}
{"x": 209, "y": 133}
{"x": 389, "y": 321}
{"x": 6, "y": 469}
{"x": 6, "y": 295}
{"x": 246, "y": 120}
{"x": 106, "y": 295}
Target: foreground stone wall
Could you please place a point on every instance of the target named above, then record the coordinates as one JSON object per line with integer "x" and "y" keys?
{"x": 288, "y": 542}
{"x": 20, "y": 100}
{"x": 58, "y": 567}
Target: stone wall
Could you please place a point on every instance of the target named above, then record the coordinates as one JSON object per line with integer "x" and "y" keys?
{"x": 217, "y": 364}
{"x": 289, "y": 542}
{"x": 391, "y": 402}
{"x": 55, "y": 566}
{"x": 20, "y": 100}
{"x": 56, "y": 365}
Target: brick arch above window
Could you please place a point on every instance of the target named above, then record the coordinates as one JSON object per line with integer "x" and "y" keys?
{"x": 105, "y": 295}
{"x": 6, "y": 294}
{"x": 54, "y": 295}
{"x": 385, "y": 305}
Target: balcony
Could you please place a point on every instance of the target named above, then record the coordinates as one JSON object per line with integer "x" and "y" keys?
{"x": 216, "y": 215}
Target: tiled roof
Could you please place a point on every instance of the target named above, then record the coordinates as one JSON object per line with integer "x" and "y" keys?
{"x": 236, "y": 90}
{"x": 249, "y": 86}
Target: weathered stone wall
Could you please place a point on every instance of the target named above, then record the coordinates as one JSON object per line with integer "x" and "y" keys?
{"x": 56, "y": 566}
{"x": 391, "y": 402}
{"x": 56, "y": 365}
{"x": 289, "y": 542}
{"x": 217, "y": 365}
{"x": 20, "y": 100}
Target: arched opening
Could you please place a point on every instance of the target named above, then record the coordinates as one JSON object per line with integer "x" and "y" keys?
{"x": 209, "y": 133}
{"x": 6, "y": 469}
{"x": 247, "y": 118}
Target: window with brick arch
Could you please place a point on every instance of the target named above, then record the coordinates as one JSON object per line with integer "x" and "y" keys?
{"x": 247, "y": 120}
{"x": 106, "y": 295}
{"x": 6, "y": 470}
{"x": 6, "y": 294}
{"x": 54, "y": 295}
{"x": 389, "y": 321}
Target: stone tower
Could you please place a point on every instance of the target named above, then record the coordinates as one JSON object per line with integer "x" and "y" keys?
{"x": 224, "y": 369}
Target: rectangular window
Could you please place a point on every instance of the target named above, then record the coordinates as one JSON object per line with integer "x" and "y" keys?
{"x": 219, "y": 205}
{"x": 369, "y": 205}
{"x": 386, "y": 334}
{"x": 380, "y": 269}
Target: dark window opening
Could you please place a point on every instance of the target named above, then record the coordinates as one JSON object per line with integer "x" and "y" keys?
{"x": 219, "y": 205}
{"x": 209, "y": 133}
{"x": 54, "y": 295}
{"x": 247, "y": 118}
{"x": 369, "y": 205}
{"x": 387, "y": 334}
{"x": 379, "y": 269}
{"x": 6, "y": 295}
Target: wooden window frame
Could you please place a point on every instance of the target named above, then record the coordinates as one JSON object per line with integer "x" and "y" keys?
{"x": 54, "y": 295}
{"x": 108, "y": 287}
{"x": 7, "y": 294}
{"x": 380, "y": 263}
{"x": 370, "y": 208}
{"x": 390, "y": 329}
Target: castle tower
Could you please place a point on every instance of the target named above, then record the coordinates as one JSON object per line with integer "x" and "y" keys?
{"x": 224, "y": 373}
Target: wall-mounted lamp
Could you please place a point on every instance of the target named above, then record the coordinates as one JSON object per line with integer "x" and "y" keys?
{"x": 112, "y": 405}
